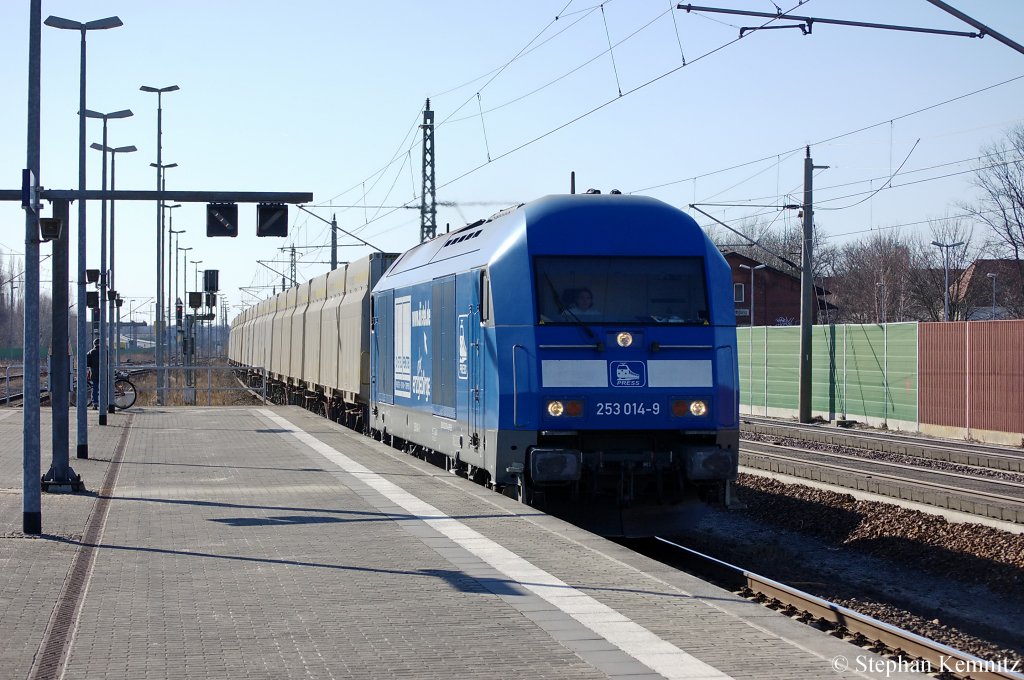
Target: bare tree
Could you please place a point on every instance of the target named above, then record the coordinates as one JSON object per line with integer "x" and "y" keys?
{"x": 926, "y": 278}
{"x": 1000, "y": 178}
{"x": 870, "y": 282}
{"x": 11, "y": 302}
{"x": 775, "y": 246}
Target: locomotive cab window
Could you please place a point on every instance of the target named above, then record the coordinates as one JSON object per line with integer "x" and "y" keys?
{"x": 619, "y": 290}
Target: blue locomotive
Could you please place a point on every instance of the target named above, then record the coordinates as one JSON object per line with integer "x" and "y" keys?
{"x": 577, "y": 352}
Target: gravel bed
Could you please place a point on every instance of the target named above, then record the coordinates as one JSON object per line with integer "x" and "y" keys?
{"x": 959, "y": 584}
{"x": 898, "y": 458}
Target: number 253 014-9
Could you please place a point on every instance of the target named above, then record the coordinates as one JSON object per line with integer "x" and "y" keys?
{"x": 628, "y": 408}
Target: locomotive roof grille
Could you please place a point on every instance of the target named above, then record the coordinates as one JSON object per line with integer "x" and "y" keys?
{"x": 460, "y": 239}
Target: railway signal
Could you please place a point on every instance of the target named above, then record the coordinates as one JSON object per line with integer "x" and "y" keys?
{"x": 221, "y": 219}
{"x": 271, "y": 219}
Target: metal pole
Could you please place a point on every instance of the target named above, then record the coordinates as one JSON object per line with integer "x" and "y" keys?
{"x": 31, "y": 515}
{"x": 806, "y": 294}
{"x": 945, "y": 275}
{"x": 807, "y": 289}
{"x": 158, "y": 331}
{"x": 84, "y": 333}
{"x": 992, "y": 275}
{"x": 334, "y": 242}
{"x": 978, "y": 25}
{"x": 750, "y": 343}
{"x": 104, "y": 376}
{"x": 115, "y": 312}
{"x": 60, "y": 473}
{"x": 944, "y": 247}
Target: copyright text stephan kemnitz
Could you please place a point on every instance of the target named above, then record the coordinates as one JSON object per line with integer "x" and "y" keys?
{"x": 944, "y": 664}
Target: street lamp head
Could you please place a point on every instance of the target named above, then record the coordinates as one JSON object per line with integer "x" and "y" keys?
{"x": 176, "y": 205}
{"x": 99, "y": 24}
{"x": 744, "y": 266}
{"x": 116, "y": 149}
{"x": 159, "y": 90}
{"x": 124, "y": 113}
{"x": 59, "y": 22}
{"x": 991, "y": 275}
{"x": 165, "y": 166}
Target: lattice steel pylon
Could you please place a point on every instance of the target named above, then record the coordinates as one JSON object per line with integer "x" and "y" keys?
{"x": 428, "y": 197}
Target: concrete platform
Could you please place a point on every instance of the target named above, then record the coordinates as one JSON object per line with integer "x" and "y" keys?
{"x": 271, "y": 543}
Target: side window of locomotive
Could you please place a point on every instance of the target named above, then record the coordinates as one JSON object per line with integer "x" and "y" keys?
{"x": 384, "y": 330}
{"x": 444, "y": 353}
{"x": 485, "y": 298}
{"x": 662, "y": 290}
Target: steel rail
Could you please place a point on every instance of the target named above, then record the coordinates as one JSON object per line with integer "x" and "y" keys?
{"x": 963, "y": 453}
{"x": 890, "y": 477}
{"x": 855, "y": 624}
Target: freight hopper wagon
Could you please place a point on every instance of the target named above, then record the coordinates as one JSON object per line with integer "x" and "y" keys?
{"x": 311, "y": 343}
{"x": 577, "y": 352}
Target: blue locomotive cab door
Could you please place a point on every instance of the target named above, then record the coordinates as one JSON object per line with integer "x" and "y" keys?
{"x": 470, "y": 360}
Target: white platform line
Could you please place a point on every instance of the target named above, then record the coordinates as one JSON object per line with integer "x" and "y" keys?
{"x": 660, "y": 656}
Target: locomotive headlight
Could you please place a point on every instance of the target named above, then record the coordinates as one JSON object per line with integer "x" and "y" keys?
{"x": 624, "y": 339}
{"x": 698, "y": 407}
{"x": 555, "y": 408}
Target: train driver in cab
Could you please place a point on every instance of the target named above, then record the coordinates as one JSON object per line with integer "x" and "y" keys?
{"x": 583, "y": 303}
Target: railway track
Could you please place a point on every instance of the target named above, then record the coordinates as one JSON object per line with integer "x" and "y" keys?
{"x": 904, "y": 647}
{"x": 1005, "y": 458}
{"x": 941, "y": 473}
{"x": 999, "y": 499}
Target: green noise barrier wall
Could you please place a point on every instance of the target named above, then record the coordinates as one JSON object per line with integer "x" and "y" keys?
{"x": 858, "y": 372}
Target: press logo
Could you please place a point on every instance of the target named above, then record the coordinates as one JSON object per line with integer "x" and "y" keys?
{"x": 627, "y": 374}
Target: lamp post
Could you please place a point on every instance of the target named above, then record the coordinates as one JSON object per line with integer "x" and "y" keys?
{"x": 177, "y": 290}
{"x": 160, "y": 376}
{"x": 993, "y": 276}
{"x": 31, "y": 491}
{"x": 83, "y": 337}
{"x": 172, "y": 293}
{"x": 750, "y": 335}
{"x": 113, "y": 156}
{"x": 196, "y": 263}
{"x": 169, "y": 309}
{"x": 161, "y": 240}
{"x": 880, "y": 285}
{"x": 105, "y": 284}
{"x": 752, "y": 270}
{"x": 945, "y": 268}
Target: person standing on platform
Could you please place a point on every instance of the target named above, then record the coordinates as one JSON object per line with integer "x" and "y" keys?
{"x": 92, "y": 362}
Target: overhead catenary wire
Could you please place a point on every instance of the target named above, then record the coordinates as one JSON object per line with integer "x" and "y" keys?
{"x": 611, "y": 50}
{"x": 888, "y": 121}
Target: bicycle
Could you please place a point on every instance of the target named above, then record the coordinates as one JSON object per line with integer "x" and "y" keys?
{"x": 124, "y": 395}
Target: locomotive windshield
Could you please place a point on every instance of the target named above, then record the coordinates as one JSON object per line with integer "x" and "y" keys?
{"x": 662, "y": 290}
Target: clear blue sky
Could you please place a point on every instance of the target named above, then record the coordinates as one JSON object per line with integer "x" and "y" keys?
{"x": 322, "y": 96}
